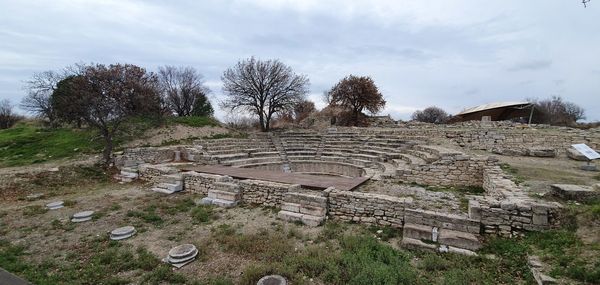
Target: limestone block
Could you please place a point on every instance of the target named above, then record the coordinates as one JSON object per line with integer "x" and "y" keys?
{"x": 575, "y": 155}
{"x": 417, "y": 244}
{"x": 459, "y": 239}
{"x": 542, "y": 152}
{"x": 462, "y": 251}
{"x": 540, "y": 219}
{"x": 415, "y": 231}
{"x": 578, "y": 193}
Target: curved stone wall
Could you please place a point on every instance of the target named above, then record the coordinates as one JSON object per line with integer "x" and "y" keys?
{"x": 314, "y": 167}
{"x": 327, "y": 168}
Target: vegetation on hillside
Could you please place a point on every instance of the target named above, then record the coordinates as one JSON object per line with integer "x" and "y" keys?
{"x": 28, "y": 143}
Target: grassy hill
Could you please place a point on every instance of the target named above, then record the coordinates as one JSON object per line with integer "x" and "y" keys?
{"x": 28, "y": 142}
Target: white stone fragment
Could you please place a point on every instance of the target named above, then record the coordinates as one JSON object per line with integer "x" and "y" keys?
{"x": 55, "y": 205}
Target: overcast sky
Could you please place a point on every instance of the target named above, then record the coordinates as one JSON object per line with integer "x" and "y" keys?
{"x": 450, "y": 53}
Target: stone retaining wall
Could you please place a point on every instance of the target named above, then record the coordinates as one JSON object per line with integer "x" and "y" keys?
{"x": 264, "y": 192}
{"x": 499, "y": 137}
{"x": 151, "y": 172}
{"x": 157, "y": 155}
{"x": 199, "y": 182}
{"x": 367, "y": 208}
{"x": 452, "y": 170}
{"x": 442, "y": 220}
{"x": 326, "y": 167}
{"x": 506, "y": 210}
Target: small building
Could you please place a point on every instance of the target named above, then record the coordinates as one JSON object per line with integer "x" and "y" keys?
{"x": 500, "y": 111}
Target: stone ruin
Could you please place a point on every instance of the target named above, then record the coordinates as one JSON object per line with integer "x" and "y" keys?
{"x": 398, "y": 155}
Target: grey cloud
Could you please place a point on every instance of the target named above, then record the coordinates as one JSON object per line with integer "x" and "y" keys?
{"x": 415, "y": 62}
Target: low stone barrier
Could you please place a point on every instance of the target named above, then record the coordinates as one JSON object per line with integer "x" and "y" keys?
{"x": 152, "y": 173}
{"x": 449, "y": 170}
{"x": 264, "y": 192}
{"x": 199, "y": 182}
{"x": 375, "y": 209}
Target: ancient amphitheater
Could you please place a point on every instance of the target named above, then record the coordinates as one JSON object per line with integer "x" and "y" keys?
{"x": 336, "y": 173}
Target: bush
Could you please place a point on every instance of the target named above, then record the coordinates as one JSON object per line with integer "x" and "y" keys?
{"x": 432, "y": 115}
{"x": 7, "y": 117}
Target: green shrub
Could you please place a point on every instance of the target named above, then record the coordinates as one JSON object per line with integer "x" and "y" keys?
{"x": 331, "y": 230}
{"x": 433, "y": 262}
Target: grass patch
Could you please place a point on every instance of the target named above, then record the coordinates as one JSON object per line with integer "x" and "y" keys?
{"x": 263, "y": 245}
{"x": 98, "y": 262}
{"x": 331, "y": 230}
{"x": 29, "y": 143}
{"x": 148, "y": 215}
{"x": 202, "y": 214}
{"x": 51, "y": 183}
{"x": 385, "y": 233}
{"x": 34, "y": 210}
{"x": 516, "y": 177}
{"x": 194, "y": 121}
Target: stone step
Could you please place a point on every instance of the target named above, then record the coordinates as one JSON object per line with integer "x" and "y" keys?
{"x": 305, "y": 199}
{"x": 459, "y": 239}
{"x": 224, "y": 195}
{"x": 163, "y": 190}
{"x": 419, "y": 232}
{"x": 428, "y": 157}
{"x": 413, "y": 243}
{"x": 227, "y": 187}
{"x": 126, "y": 174}
{"x": 411, "y": 159}
{"x": 218, "y": 202}
{"x": 129, "y": 170}
{"x": 251, "y": 160}
{"x": 308, "y": 220}
{"x": 303, "y": 209}
{"x": 175, "y": 187}
{"x": 171, "y": 178}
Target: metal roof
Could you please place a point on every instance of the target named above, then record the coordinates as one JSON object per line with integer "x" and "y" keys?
{"x": 492, "y": 106}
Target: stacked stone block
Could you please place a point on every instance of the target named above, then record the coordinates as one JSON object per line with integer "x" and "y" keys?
{"x": 308, "y": 208}
{"x": 225, "y": 193}
{"x": 169, "y": 184}
{"x": 367, "y": 208}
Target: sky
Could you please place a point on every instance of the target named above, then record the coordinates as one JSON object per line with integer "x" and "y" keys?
{"x": 453, "y": 54}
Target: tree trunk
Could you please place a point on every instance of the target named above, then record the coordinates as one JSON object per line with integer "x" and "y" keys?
{"x": 261, "y": 119}
{"x": 108, "y": 147}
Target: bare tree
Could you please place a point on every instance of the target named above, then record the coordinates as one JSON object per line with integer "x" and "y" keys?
{"x": 39, "y": 90}
{"x": 184, "y": 91}
{"x": 264, "y": 88}
{"x": 105, "y": 96}
{"x": 356, "y": 94}
{"x": 432, "y": 115}
{"x": 7, "y": 117}
{"x": 303, "y": 109}
{"x": 556, "y": 111}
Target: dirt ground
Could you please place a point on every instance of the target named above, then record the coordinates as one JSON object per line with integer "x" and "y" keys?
{"x": 40, "y": 235}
